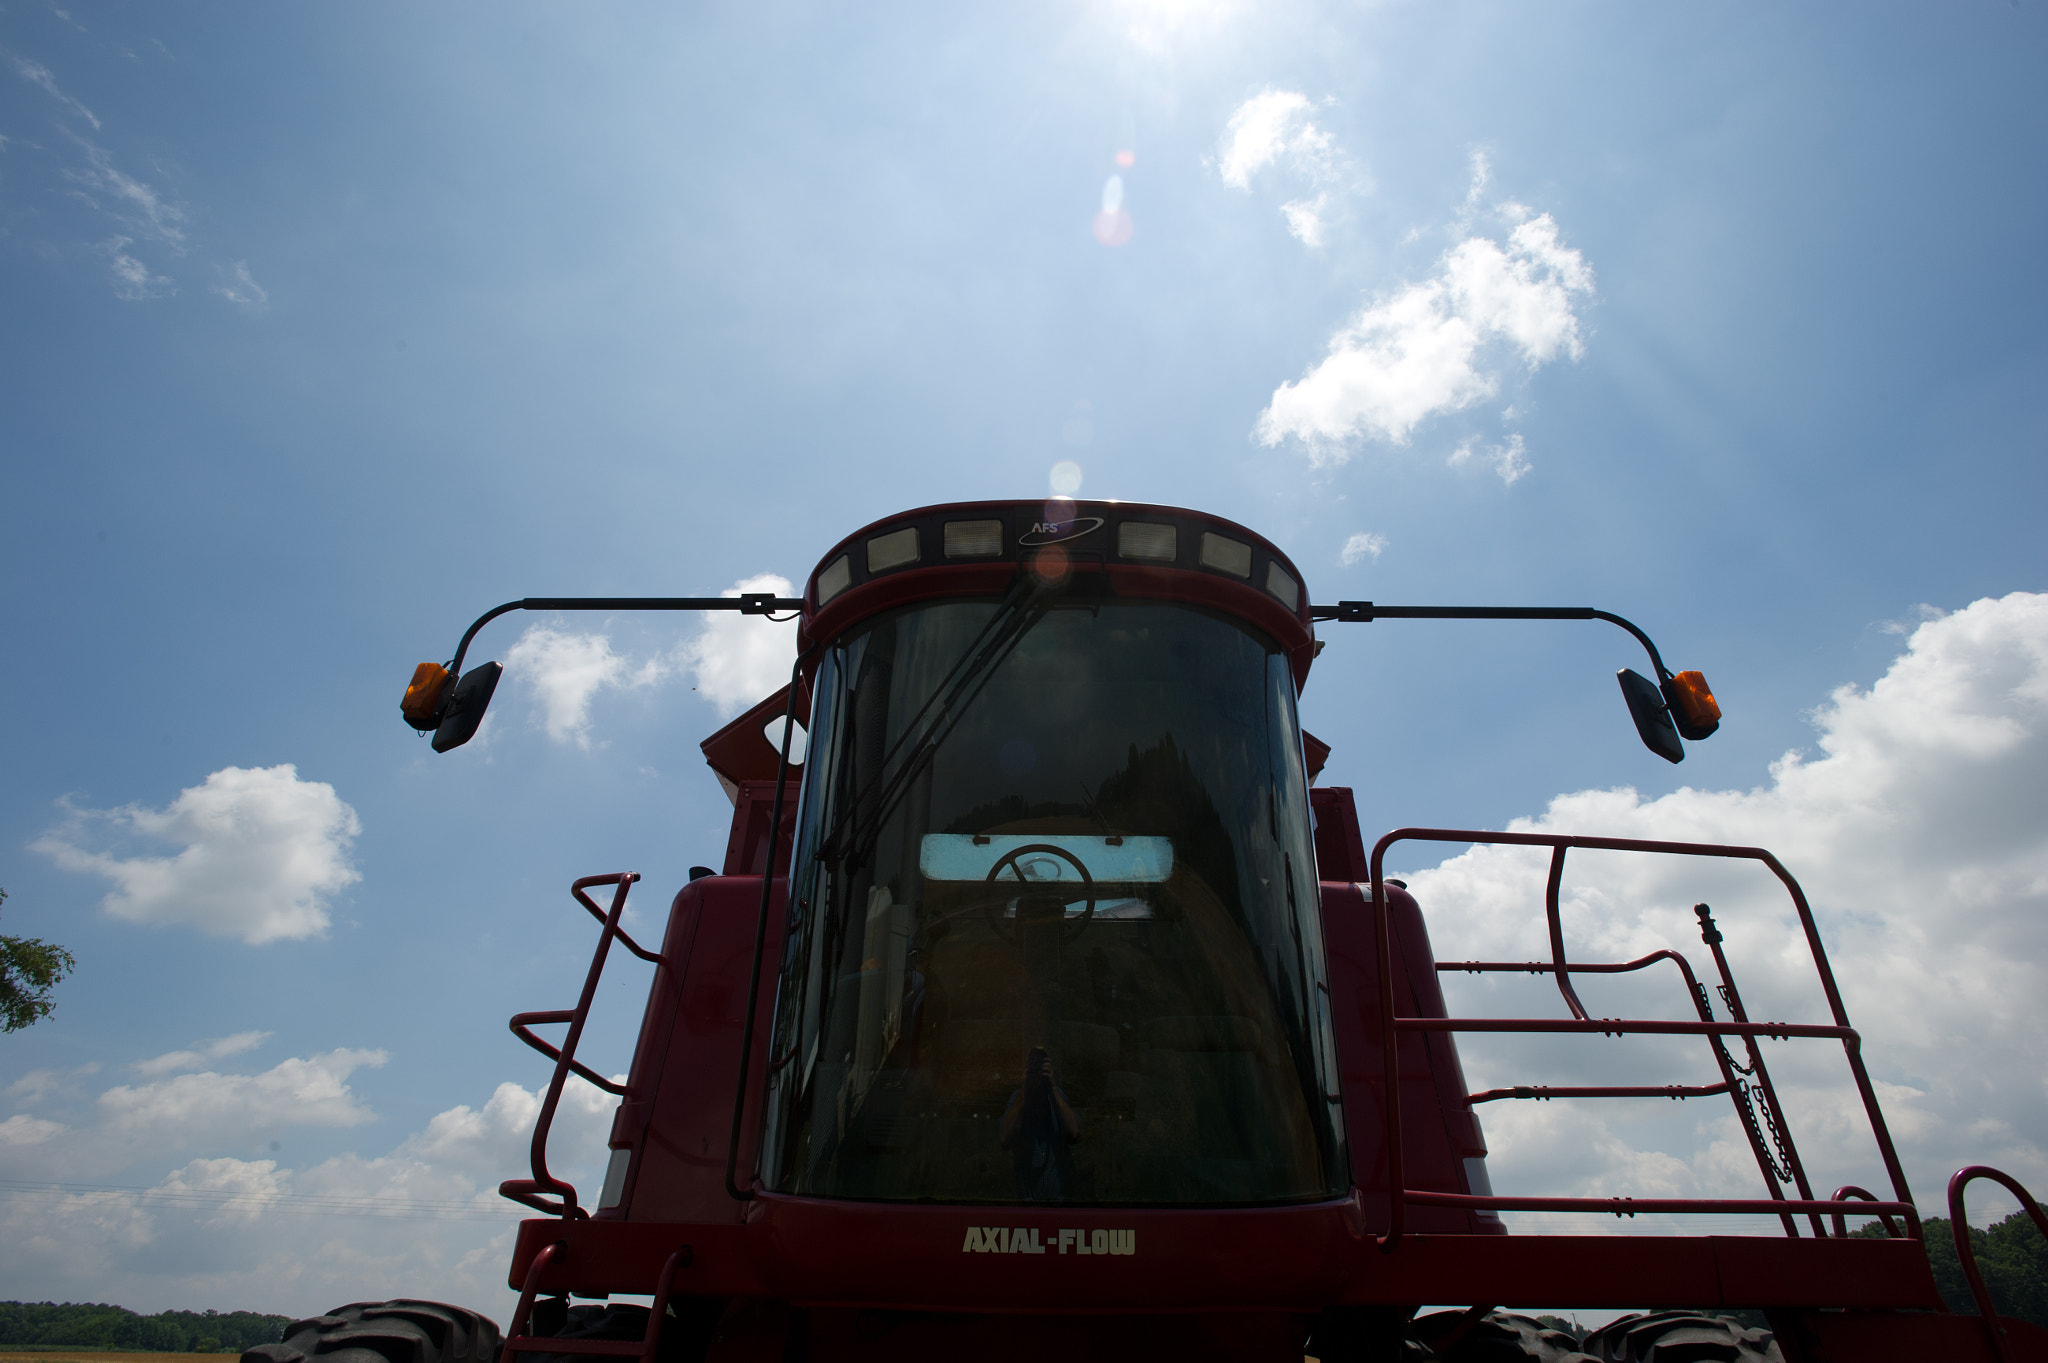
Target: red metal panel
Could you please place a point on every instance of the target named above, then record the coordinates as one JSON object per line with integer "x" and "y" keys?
{"x": 851, "y": 1335}
{"x": 910, "y": 585}
{"x": 1628, "y": 1271}
{"x": 1768, "y": 1271}
{"x": 741, "y": 751}
{"x": 892, "y": 1256}
{"x": 913, "y": 1257}
{"x": 746, "y": 848}
{"x": 916, "y": 1257}
{"x": 679, "y": 1170}
{"x": 657, "y": 1025}
{"x": 1340, "y": 848}
{"x": 1433, "y": 1161}
{"x": 623, "y": 1256}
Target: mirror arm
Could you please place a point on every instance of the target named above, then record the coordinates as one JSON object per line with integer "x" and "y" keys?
{"x": 1350, "y": 612}
{"x": 747, "y": 603}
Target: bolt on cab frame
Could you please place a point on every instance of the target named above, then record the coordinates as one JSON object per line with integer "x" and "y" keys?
{"x": 1042, "y": 998}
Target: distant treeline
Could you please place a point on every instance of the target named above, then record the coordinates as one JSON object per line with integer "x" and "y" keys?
{"x": 85, "y": 1326}
{"x": 2011, "y": 1255}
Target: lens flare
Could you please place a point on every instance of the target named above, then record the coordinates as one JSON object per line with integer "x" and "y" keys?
{"x": 1127, "y": 159}
{"x": 1050, "y": 564}
{"x": 1113, "y": 224}
{"x": 1066, "y": 478}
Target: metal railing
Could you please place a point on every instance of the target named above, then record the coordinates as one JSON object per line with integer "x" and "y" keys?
{"x": 1748, "y": 1085}
{"x": 530, "y": 1192}
{"x": 1959, "y": 1227}
{"x": 522, "y": 1340}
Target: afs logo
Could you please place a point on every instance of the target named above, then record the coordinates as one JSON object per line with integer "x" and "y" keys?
{"x": 1058, "y": 532}
{"x": 1024, "y": 1240}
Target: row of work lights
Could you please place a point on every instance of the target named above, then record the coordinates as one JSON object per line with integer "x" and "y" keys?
{"x": 1152, "y": 542}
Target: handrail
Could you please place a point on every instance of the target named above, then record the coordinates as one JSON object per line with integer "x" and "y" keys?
{"x": 1545, "y": 1092}
{"x": 1399, "y": 1195}
{"x": 530, "y": 1192}
{"x": 1731, "y": 1083}
{"x": 1966, "y": 1253}
{"x": 519, "y": 1340}
{"x": 1632, "y": 1206}
{"x": 1850, "y": 1191}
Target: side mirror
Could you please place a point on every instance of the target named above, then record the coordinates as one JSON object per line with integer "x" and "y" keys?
{"x": 1646, "y": 705}
{"x": 465, "y": 708}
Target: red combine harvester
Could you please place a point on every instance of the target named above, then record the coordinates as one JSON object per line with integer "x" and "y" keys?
{"x": 1045, "y": 1008}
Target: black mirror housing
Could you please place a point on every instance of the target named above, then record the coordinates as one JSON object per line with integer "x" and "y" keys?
{"x": 1645, "y": 706}
{"x": 466, "y": 705}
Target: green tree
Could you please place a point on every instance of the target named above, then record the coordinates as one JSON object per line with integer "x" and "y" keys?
{"x": 2011, "y": 1255}
{"x": 29, "y": 968}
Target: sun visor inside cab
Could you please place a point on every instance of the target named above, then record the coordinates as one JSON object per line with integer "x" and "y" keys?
{"x": 1045, "y": 857}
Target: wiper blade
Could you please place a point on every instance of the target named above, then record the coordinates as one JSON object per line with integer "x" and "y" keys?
{"x": 854, "y": 832}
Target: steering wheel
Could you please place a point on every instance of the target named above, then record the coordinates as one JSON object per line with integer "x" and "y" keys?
{"x": 1014, "y": 861}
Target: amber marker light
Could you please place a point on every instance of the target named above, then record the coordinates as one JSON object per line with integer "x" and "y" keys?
{"x": 422, "y": 702}
{"x": 1696, "y": 710}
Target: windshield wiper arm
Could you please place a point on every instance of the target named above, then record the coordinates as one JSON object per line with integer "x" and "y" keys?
{"x": 1022, "y": 607}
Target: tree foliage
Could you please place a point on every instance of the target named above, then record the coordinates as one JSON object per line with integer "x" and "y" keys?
{"x": 2012, "y": 1257}
{"x": 29, "y": 968}
{"x": 89, "y": 1326}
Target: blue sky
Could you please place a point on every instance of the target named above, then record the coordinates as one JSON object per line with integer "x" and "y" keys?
{"x": 327, "y": 329}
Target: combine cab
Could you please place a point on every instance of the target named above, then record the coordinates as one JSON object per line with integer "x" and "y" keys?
{"x": 1043, "y": 1007}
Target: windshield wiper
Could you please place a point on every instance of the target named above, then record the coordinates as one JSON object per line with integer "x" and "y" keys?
{"x": 855, "y": 831}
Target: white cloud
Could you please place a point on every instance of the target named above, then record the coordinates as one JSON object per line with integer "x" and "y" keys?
{"x": 737, "y": 660}
{"x": 1274, "y": 128}
{"x": 202, "y": 1053}
{"x": 207, "y": 1110}
{"x": 1508, "y": 459}
{"x": 240, "y": 287}
{"x": 733, "y": 661}
{"x": 1364, "y": 545}
{"x": 263, "y": 850}
{"x": 1917, "y": 835}
{"x": 1305, "y": 218}
{"x": 210, "y": 1108}
{"x": 35, "y": 73}
{"x": 566, "y": 670}
{"x": 1270, "y": 127}
{"x": 133, "y": 280}
{"x": 422, "y": 1219}
{"x": 1437, "y": 346}
{"x": 131, "y": 200}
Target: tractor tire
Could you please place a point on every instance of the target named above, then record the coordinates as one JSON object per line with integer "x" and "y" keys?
{"x": 1500, "y": 1337}
{"x": 401, "y": 1331}
{"x": 1681, "y": 1337}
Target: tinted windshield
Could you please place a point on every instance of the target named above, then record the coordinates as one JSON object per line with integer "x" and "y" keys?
{"x": 1074, "y": 957}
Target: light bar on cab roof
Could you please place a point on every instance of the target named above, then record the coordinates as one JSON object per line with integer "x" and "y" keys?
{"x": 892, "y": 550}
{"x": 1059, "y": 535}
{"x": 974, "y": 539}
{"x": 835, "y": 578}
{"x": 1226, "y": 554}
{"x": 1283, "y": 588}
{"x": 1148, "y": 541}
